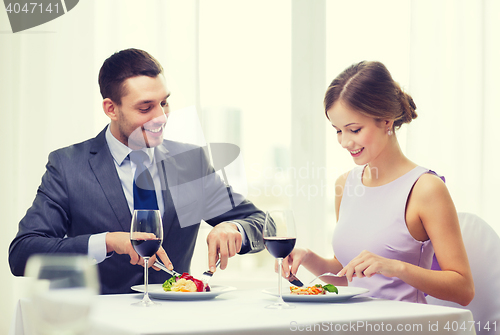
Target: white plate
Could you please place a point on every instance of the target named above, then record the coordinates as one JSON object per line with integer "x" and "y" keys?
{"x": 345, "y": 293}
{"x": 156, "y": 291}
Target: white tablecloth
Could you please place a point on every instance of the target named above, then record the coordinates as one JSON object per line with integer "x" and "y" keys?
{"x": 244, "y": 312}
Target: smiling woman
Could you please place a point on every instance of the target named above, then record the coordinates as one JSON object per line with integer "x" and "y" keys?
{"x": 402, "y": 213}
{"x": 363, "y": 101}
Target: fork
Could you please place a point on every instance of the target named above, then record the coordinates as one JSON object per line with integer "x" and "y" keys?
{"x": 207, "y": 275}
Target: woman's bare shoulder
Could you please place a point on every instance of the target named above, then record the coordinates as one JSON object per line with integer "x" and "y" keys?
{"x": 429, "y": 184}
{"x": 432, "y": 196}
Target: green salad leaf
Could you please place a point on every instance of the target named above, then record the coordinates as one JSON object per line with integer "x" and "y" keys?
{"x": 331, "y": 288}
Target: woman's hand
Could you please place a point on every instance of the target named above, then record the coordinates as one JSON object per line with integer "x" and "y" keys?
{"x": 292, "y": 262}
{"x": 366, "y": 264}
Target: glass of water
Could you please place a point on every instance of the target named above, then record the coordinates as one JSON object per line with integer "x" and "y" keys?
{"x": 62, "y": 291}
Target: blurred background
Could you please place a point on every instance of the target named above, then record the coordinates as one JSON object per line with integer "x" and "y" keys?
{"x": 253, "y": 73}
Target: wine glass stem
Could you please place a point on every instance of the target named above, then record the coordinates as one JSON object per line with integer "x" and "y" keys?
{"x": 146, "y": 281}
{"x": 279, "y": 278}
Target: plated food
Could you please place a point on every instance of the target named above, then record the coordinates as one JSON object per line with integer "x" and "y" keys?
{"x": 185, "y": 283}
{"x": 156, "y": 291}
{"x": 345, "y": 293}
{"x": 314, "y": 290}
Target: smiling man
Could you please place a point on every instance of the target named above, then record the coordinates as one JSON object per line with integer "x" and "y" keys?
{"x": 88, "y": 193}
{"x": 139, "y": 117}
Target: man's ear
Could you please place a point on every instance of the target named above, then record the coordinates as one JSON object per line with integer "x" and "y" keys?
{"x": 110, "y": 108}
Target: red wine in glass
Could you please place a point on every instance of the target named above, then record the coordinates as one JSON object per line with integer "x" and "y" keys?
{"x": 279, "y": 238}
{"x": 146, "y": 248}
{"x": 279, "y": 247}
{"x": 146, "y": 236}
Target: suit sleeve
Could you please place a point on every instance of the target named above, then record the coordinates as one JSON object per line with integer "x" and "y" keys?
{"x": 222, "y": 203}
{"x": 44, "y": 227}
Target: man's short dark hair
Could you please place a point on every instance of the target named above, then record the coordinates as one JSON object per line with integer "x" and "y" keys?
{"x": 123, "y": 65}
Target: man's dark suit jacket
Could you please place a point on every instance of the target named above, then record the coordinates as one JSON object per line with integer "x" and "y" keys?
{"x": 81, "y": 194}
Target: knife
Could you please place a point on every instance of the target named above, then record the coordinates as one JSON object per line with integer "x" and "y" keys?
{"x": 160, "y": 265}
{"x": 294, "y": 280}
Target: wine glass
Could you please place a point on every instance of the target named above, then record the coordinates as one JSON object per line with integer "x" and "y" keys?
{"x": 146, "y": 236}
{"x": 62, "y": 289}
{"x": 279, "y": 238}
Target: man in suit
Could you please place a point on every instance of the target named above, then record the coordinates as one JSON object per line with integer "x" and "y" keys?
{"x": 86, "y": 197}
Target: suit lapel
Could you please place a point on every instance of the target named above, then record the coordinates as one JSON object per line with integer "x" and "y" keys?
{"x": 103, "y": 166}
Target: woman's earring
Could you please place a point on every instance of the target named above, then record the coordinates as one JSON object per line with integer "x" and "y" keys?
{"x": 389, "y": 132}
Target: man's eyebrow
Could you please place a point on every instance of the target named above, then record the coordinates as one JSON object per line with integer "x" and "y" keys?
{"x": 150, "y": 101}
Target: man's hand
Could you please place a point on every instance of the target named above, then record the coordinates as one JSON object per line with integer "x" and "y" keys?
{"x": 162, "y": 254}
{"x": 119, "y": 242}
{"x": 223, "y": 241}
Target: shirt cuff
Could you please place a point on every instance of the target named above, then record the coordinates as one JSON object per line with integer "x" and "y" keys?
{"x": 97, "y": 247}
{"x": 244, "y": 239}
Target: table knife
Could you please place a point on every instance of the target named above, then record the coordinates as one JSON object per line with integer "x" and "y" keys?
{"x": 294, "y": 280}
{"x": 160, "y": 265}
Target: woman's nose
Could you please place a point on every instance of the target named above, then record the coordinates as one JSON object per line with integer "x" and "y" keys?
{"x": 346, "y": 142}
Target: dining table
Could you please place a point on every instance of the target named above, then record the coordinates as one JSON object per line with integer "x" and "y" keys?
{"x": 231, "y": 310}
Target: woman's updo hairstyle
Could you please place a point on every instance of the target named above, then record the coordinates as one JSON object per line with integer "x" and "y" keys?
{"x": 368, "y": 88}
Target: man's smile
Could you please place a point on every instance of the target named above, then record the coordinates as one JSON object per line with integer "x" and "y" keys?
{"x": 155, "y": 130}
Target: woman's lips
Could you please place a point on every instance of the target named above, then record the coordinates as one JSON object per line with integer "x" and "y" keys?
{"x": 356, "y": 153}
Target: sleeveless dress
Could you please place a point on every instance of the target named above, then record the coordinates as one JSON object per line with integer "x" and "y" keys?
{"x": 373, "y": 219}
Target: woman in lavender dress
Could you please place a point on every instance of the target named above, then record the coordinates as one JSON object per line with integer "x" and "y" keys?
{"x": 393, "y": 216}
